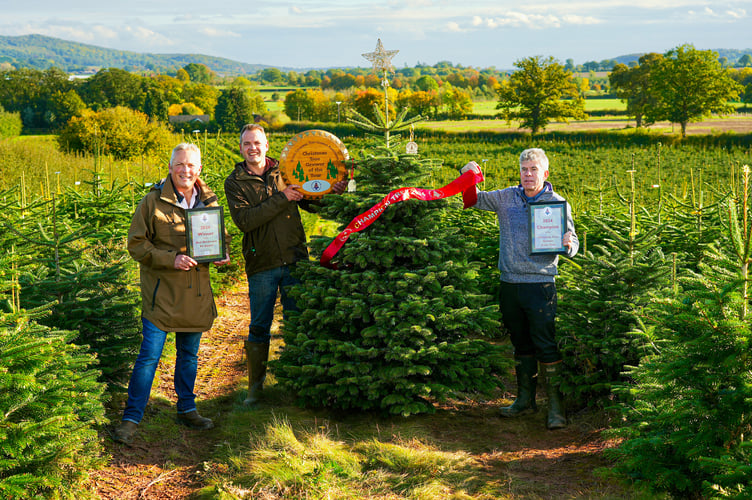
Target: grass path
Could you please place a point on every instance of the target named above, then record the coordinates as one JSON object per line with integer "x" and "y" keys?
{"x": 509, "y": 458}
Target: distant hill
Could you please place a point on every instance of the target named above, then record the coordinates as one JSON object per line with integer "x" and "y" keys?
{"x": 43, "y": 52}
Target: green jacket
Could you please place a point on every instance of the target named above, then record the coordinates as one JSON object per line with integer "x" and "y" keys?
{"x": 273, "y": 233}
{"x": 172, "y": 299}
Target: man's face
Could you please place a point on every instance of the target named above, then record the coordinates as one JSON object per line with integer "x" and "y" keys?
{"x": 185, "y": 169}
{"x": 253, "y": 147}
{"x": 532, "y": 177}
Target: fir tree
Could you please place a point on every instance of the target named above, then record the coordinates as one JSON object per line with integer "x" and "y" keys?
{"x": 398, "y": 326}
{"x": 689, "y": 416}
{"x": 73, "y": 255}
{"x": 607, "y": 295}
{"x": 50, "y": 401}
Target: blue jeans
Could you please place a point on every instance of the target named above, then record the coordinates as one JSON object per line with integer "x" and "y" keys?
{"x": 262, "y": 291}
{"x": 186, "y": 365}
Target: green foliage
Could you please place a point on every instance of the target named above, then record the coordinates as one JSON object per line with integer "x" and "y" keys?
{"x": 50, "y": 401}
{"x": 608, "y": 293}
{"x": 534, "y": 94}
{"x": 41, "y": 52}
{"x": 10, "y": 124}
{"x": 633, "y": 85}
{"x": 236, "y": 107}
{"x": 690, "y": 84}
{"x": 41, "y": 97}
{"x": 82, "y": 268}
{"x": 119, "y": 132}
{"x": 688, "y": 414}
{"x": 199, "y": 73}
{"x": 398, "y": 325}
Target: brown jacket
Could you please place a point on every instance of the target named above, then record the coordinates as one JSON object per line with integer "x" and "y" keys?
{"x": 172, "y": 299}
{"x": 273, "y": 233}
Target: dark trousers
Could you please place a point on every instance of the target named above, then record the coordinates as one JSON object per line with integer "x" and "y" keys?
{"x": 528, "y": 311}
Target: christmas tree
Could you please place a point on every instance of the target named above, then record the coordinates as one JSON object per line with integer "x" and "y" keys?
{"x": 400, "y": 323}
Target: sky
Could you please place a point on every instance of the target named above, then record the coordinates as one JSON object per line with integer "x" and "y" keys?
{"x": 305, "y": 34}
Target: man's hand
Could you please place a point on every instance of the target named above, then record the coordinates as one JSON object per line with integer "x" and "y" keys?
{"x": 471, "y": 166}
{"x": 339, "y": 187}
{"x": 567, "y": 239}
{"x": 222, "y": 262}
{"x": 184, "y": 262}
{"x": 292, "y": 193}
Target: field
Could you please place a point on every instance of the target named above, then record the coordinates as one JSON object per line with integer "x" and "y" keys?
{"x": 279, "y": 450}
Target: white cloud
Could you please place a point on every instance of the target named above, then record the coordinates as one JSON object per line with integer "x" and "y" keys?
{"x": 573, "y": 19}
{"x": 455, "y": 27}
{"x": 737, "y": 14}
{"x": 218, "y": 33}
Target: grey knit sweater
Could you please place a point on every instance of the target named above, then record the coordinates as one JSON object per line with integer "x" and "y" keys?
{"x": 516, "y": 264}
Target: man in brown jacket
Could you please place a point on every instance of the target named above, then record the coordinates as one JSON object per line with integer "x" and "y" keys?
{"x": 176, "y": 293}
{"x": 265, "y": 209}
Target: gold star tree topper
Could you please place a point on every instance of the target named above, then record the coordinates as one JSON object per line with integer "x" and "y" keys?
{"x": 381, "y": 59}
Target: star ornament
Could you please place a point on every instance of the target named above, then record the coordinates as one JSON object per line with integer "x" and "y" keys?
{"x": 381, "y": 59}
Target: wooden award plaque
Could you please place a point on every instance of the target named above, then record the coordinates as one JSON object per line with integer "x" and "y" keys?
{"x": 315, "y": 161}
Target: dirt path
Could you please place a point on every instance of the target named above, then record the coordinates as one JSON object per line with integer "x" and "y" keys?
{"x": 167, "y": 465}
{"x": 168, "y": 461}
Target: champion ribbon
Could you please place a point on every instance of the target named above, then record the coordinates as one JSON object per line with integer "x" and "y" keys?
{"x": 464, "y": 184}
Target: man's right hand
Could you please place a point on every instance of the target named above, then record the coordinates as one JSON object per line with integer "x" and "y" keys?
{"x": 471, "y": 166}
{"x": 292, "y": 193}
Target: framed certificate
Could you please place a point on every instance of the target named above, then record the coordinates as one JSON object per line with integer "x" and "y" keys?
{"x": 548, "y": 223}
{"x": 205, "y": 233}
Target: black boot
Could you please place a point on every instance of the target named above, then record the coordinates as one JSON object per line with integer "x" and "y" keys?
{"x": 256, "y": 357}
{"x": 556, "y": 416}
{"x": 527, "y": 369}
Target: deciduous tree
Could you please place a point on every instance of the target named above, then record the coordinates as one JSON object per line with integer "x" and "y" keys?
{"x": 632, "y": 84}
{"x": 535, "y": 94}
{"x": 236, "y": 107}
{"x": 690, "y": 84}
{"x": 199, "y": 73}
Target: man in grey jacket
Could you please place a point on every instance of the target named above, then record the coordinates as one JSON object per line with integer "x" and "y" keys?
{"x": 528, "y": 291}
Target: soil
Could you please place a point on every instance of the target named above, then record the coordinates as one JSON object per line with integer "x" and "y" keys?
{"x": 169, "y": 461}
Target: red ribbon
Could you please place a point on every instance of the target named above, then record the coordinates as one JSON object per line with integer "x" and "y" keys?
{"x": 464, "y": 183}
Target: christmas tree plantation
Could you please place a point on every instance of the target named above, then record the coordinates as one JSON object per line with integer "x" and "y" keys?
{"x": 400, "y": 323}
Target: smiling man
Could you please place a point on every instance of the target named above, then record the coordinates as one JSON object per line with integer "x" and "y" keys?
{"x": 176, "y": 292}
{"x": 265, "y": 209}
{"x": 528, "y": 291}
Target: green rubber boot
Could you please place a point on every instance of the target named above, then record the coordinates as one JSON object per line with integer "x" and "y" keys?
{"x": 527, "y": 370}
{"x": 256, "y": 357}
{"x": 557, "y": 418}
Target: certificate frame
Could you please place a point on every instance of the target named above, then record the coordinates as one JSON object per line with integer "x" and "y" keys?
{"x": 547, "y": 223}
{"x": 205, "y": 233}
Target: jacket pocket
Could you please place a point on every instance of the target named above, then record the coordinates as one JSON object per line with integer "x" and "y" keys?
{"x": 154, "y": 294}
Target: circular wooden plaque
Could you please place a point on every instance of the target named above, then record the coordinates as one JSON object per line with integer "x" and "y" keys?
{"x": 315, "y": 161}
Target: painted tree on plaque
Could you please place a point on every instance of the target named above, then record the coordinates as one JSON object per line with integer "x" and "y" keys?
{"x": 397, "y": 323}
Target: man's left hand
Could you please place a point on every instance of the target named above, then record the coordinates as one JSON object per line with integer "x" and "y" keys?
{"x": 339, "y": 187}
{"x": 567, "y": 239}
{"x": 222, "y": 262}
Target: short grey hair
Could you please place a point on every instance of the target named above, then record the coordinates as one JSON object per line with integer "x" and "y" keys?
{"x": 536, "y": 155}
{"x": 185, "y": 146}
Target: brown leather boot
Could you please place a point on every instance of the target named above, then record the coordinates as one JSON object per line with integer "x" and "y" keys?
{"x": 256, "y": 357}
{"x": 195, "y": 421}
{"x": 125, "y": 432}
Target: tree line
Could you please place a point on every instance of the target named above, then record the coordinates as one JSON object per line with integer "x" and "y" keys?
{"x": 681, "y": 86}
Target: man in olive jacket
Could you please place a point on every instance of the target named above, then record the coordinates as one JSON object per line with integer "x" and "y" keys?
{"x": 265, "y": 209}
{"x": 176, "y": 293}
